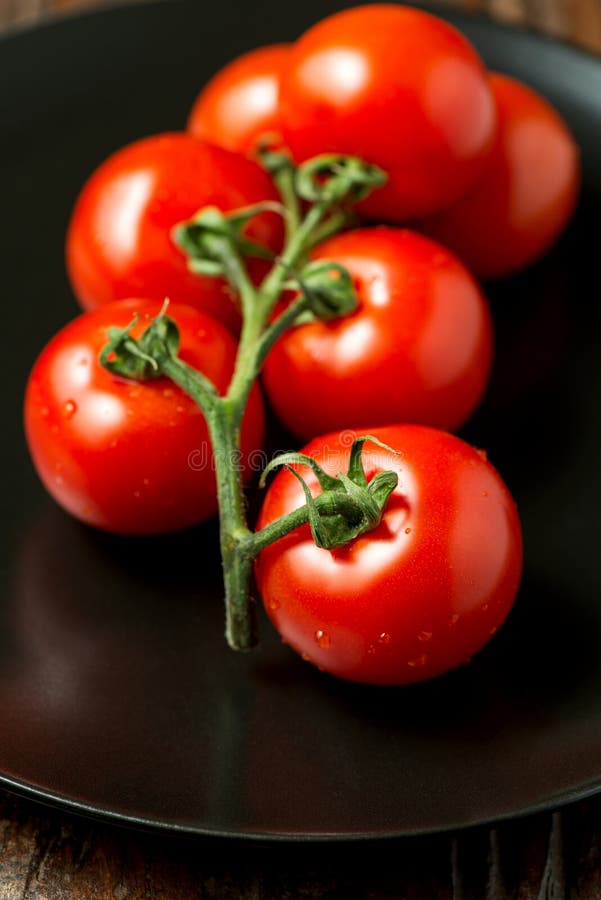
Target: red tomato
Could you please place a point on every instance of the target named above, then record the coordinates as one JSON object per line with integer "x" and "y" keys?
{"x": 126, "y": 456}
{"x": 119, "y": 240}
{"x": 400, "y": 88}
{"x": 528, "y": 191}
{"x": 419, "y": 594}
{"x": 418, "y": 347}
{"x": 240, "y": 103}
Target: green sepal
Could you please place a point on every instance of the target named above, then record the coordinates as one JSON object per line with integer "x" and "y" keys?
{"x": 210, "y": 237}
{"x": 348, "y": 505}
{"x": 140, "y": 359}
{"x": 328, "y": 289}
{"x": 274, "y": 160}
{"x": 326, "y": 482}
{"x": 336, "y": 178}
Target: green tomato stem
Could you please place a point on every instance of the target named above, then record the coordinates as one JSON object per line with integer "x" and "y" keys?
{"x": 239, "y": 545}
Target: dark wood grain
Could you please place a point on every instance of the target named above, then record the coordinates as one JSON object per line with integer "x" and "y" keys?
{"x": 45, "y": 855}
{"x": 49, "y": 855}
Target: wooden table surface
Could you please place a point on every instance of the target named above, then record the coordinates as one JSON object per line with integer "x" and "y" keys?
{"x": 49, "y": 855}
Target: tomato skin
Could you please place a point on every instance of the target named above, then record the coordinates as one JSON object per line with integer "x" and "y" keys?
{"x": 400, "y": 88}
{"x": 422, "y": 592}
{"x": 126, "y": 456}
{"x": 527, "y": 193}
{"x": 418, "y": 348}
{"x": 240, "y": 103}
{"x": 119, "y": 241}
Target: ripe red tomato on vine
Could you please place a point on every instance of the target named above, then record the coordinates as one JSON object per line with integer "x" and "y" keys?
{"x": 125, "y": 456}
{"x": 400, "y": 88}
{"x": 418, "y": 347}
{"x": 419, "y": 594}
{"x": 119, "y": 241}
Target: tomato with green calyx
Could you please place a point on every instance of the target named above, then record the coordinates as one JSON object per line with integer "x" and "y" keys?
{"x": 527, "y": 193}
{"x": 127, "y": 456}
{"x": 120, "y": 243}
{"x": 239, "y": 106}
{"x": 420, "y": 593}
{"x": 417, "y": 348}
{"x": 400, "y": 88}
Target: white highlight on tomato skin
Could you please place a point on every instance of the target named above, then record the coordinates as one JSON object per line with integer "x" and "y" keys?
{"x": 254, "y": 97}
{"x": 120, "y": 210}
{"x": 344, "y": 72}
{"x": 100, "y": 413}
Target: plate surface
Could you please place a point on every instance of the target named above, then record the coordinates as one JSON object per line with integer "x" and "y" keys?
{"x": 118, "y": 696}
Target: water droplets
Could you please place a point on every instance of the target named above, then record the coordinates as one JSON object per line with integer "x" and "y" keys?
{"x": 273, "y": 604}
{"x": 419, "y": 662}
{"x": 69, "y": 409}
{"x": 384, "y": 638}
{"x": 322, "y": 639}
{"x": 407, "y": 531}
{"x": 424, "y": 636}
{"x": 453, "y": 620}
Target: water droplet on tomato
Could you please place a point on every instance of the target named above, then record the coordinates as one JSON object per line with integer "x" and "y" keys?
{"x": 137, "y": 494}
{"x": 493, "y": 630}
{"x": 484, "y": 607}
{"x": 371, "y": 649}
{"x": 179, "y": 409}
{"x": 69, "y": 409}
{"x": 168, "y": 392}
{"x": 407, "y": 531}
{"x": 453, "y": 620}
{"x": 424, "y": 636}
{"x": 419, "y": 661}
{"x": 134, "y": 393}
{"x": 306, "y": 657}
{"x": 45, "y": 412}
{"x": 322, "y": 639}
{"x": 482, "y": 454}
{"x": 274, "y": 604}
{"x": 384, "y": 638}
{"x": 485, "y": 493}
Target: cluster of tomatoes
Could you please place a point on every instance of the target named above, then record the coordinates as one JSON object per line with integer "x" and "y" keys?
{"x": 482, "y": 177}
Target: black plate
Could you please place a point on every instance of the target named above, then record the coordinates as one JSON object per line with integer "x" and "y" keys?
{"x": 117, "y": 695}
